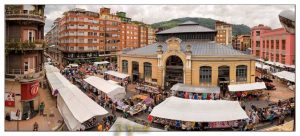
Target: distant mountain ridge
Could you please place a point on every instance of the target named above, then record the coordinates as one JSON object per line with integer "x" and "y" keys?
{"x": 237, "y": 29}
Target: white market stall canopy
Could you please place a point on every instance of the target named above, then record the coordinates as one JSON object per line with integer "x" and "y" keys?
{"x": 76, "y": 107}
{"x": 51, "y": 68}
{"x": 101, "y": 63}
{"x": 112, "y": 81}
{"x": 199, "y": 110}
{"x": 195, "y": 89}
{"x": 286, "y": 75}
{"x": 247, "y": 87}
{"x": 57, "y": 81}
{"x": 123, "y": 125}
{"x": 112, "y": 90}
{"x": 117, "y": 74}
{"x": 262, "y": 66}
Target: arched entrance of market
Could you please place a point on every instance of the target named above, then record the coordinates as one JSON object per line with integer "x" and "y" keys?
{"x": 223, "y": 78}
{"x": 173, "y": 71}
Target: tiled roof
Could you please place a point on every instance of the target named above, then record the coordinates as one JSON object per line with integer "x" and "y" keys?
{"x": 187, "y": 27}
{"x": 198, "y": 48}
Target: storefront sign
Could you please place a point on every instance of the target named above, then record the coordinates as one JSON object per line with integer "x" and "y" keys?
{"x": 29, "y": 90}
{"x": 10, "y": 99}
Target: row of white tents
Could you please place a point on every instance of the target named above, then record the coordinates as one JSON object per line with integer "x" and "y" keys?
{"x": 74, "y": 106}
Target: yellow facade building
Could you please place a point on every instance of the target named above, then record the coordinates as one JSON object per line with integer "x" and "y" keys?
{"x": 195, "y": 61}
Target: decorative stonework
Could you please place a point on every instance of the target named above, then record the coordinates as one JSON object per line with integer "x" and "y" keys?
{"x": 173, "y": 44}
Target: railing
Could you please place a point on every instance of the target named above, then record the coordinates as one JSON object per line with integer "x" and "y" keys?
{"x": 27, "y": 15}
{"x": 23, "y": 72}
{"x": 16, "y": 44}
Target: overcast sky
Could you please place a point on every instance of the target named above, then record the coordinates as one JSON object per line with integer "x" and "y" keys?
{"x": 250, "y": 15}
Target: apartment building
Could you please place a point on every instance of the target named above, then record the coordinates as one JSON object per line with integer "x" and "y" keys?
{"x": 224, "y": 33}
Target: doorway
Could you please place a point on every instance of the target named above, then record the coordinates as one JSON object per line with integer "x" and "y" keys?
{"x": 173, "y": 71}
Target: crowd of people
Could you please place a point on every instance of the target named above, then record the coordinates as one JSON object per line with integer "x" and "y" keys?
{"x": 198, "y": 96}
{"x": 275, "y": 113}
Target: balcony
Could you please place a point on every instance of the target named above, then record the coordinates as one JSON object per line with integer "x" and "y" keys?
{"x": 24, "y": 15}
{"x": 16, "y": 44}
{"x": 24, "y": 76}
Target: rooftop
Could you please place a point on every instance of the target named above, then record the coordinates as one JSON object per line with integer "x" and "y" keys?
{"x": 187, "y": 27}
{"x": 198, "y": 48}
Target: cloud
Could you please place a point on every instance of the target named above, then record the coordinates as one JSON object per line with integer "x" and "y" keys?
{"x": 250, "y": 15}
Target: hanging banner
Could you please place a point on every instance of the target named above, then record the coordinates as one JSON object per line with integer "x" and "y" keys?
{"x": 29, "y": 90}
{"x": 9, "y": 99}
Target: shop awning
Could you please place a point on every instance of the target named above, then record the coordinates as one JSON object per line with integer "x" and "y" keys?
{"x": 262, "y": 66}
{"x": 123, "y": 125}
{"x": 199, "y": 110}
{"x": 247, "y": 87}
{"x": 114, "y": 91}
{"x": 117, "y": 74}
{"x": 101, "y": 63}
{"x": 76, "y": 107}
{"x": 290, "y": 76}
{"x": 195, "y": 89}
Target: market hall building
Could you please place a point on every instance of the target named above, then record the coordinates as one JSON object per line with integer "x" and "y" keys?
{"x": 188, "y": 54}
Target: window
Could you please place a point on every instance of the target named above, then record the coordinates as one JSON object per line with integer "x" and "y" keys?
{"x": 125, "y": 66}
{"x": 241, "y": 73}
{"x": 147, "y": 70}
{"x": 272, "y": 57}
{"x": 277, "y": 57}
{"x": 272, "y": 44}
{"x": 283, "y": 45}
{"x": 257, "y": 44}
{"x": 81, "y": 48}
{"x": 277, "y": 44}
{"x": 90, "y": 40}
{"x": 257, "y": 53}
{"x": 257, "y": 33}
{"x": 26, "y": 66}
{"x": 135, "y": 68}
{"x": 205, "y": 74}
{"x": 30, "y": 36}
{"x": 283, "y": 59}
{"x": 81, "y": 40}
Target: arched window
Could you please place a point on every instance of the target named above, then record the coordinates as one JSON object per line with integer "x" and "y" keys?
{"x": 241, "y": 73}
{"x": 125, "y": 66}
{"x": 147, "y": 71}
{"x": 205, "y": 74}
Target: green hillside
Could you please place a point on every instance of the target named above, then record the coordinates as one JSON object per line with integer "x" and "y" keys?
{"x": 207, "y": 22}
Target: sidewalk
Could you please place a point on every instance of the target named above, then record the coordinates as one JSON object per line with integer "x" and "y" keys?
{"x": 46, "y": 123}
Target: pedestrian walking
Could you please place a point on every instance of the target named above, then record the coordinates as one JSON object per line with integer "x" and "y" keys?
{"x": 42, "y": 107}
{"x": 35, "y": 126}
